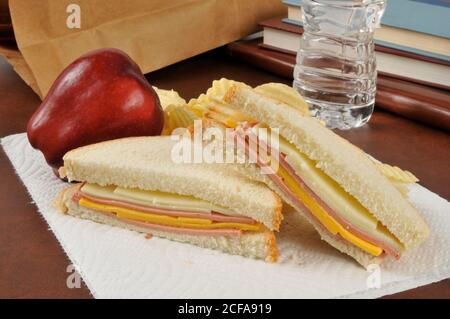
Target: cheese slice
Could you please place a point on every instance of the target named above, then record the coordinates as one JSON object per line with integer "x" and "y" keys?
{"x": 343, "y": 203}
{"x": 336, "y": 197}
{"x": 155, "y": 199}
{"x": 324, "y": 218}
{"x": 328, "y": 189}
{"x": 196, "y": 223}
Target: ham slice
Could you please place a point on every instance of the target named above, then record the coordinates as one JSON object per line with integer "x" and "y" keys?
{"x": 243, "y": 145}
{"x": 160, "y": 211}
{"x": 178, "y": 230}
{"x": 230, "y": 232}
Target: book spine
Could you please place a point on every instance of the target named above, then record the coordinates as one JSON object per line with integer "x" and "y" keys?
{"x": 433, "y": 57}
{"x": 418, "y": 52}
{"x": 293, "y": 22}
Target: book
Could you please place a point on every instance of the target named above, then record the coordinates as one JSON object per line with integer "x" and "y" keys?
{"x": 414, "y": 101}
{"x": 396, "y": 63}
{"x": 397, "y": 38}
{"x": 294, "y": 10}
{"x": 424, "y": 16}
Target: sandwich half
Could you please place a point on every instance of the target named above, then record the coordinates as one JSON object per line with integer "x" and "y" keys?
{"x": 134, "y": 183}
{"x": 335, "y": 185}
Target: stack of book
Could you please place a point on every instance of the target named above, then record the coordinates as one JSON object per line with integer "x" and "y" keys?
{"x": 412, "y": 48}
{"x": 413, "y": 42}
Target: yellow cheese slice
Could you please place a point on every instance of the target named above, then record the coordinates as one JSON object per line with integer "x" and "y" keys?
{"x": 336, "y": 197}
{"x": 328, "y": 189}
{"x": 325, "y": 187}
{"x": 196, "y": 223}
{"x": 326, "y": 220}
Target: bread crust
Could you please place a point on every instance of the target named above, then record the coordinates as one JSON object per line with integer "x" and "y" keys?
{"x": 340, "y": 160}
{"x": 260, "y": 245}
{"x": 278, "y": 217}
{"x": 363, "y": 258}
{"x": 125, "y": 162}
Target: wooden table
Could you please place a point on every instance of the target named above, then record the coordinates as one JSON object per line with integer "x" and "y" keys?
{"x": 32, "y": 264}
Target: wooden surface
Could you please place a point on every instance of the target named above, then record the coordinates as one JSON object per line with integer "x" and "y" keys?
{"x": 32, "y": 264}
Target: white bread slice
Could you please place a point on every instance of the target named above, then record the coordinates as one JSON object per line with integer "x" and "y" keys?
{"x": 340, "y": 160}
{"x": 259, "y": 245}
{"x": 145, "y": 163}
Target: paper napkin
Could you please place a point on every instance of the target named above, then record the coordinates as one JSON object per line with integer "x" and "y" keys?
{"x": 117, "y": 263}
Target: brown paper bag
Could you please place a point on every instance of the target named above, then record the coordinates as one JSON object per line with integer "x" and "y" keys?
{"x": 155, "y": 33}
{"x": 15, "y": 58}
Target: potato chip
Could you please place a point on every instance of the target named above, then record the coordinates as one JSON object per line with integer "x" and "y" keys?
{"x": 395, "y": 173}
{"x": 177, "y": 116}
{"x": 402, "y": 188}
{"x": 169, "y": 97}
{"x": 284, "y": 94}
{"x": 220, "y": 87}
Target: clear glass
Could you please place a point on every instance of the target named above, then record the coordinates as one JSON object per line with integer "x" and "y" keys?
{"x": 336, "y": 66}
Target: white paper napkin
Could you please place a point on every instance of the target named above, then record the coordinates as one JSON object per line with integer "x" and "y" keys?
{"x": 117, "y": 263}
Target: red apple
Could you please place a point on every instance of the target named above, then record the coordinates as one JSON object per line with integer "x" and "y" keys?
{"x": 102, "y": 95}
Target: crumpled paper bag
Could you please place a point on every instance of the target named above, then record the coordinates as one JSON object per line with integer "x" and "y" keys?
{"x": 154, "y": 33}
{"x": 117, "y": 263}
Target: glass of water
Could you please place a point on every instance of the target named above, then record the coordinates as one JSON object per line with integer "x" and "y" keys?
{"x": 336, "y": 66}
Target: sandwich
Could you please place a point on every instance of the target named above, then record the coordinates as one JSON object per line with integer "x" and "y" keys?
{"x": 133, "y": 183}
{"x": 356, "y": 204}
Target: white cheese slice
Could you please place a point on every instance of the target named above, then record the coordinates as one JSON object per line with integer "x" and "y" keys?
{"x": 155, "y": 199}
{"x": 343, "y": 203}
